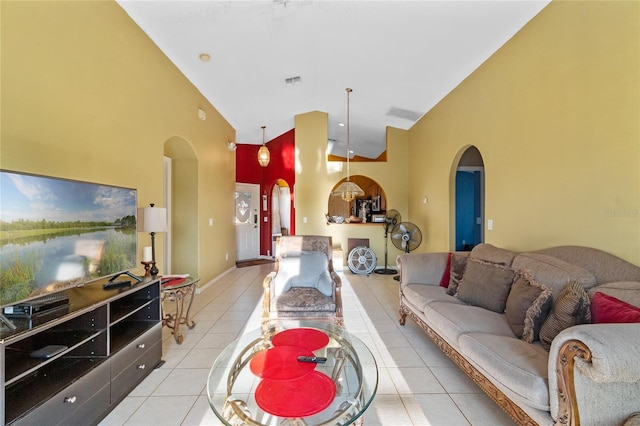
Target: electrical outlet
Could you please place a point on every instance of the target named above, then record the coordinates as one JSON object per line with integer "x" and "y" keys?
{"x": 226, "y": 256}
{"x": 490, "y": 224}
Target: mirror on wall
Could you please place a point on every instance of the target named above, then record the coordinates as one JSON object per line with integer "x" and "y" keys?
{"x": 366, "y": 209}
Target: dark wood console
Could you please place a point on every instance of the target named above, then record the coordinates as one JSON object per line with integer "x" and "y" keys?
{"x": 112, "y": 340}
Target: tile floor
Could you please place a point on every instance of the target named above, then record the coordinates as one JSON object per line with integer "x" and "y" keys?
{"x": 418, "y": 385}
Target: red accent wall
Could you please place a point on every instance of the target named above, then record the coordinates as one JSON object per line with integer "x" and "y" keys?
{"x": 281, "y": 166}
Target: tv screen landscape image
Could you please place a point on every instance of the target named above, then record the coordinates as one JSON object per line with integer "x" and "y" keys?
{"x": 58, "y": 233}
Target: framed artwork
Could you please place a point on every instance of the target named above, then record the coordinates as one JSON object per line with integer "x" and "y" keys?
{"x": 375, "y": 204}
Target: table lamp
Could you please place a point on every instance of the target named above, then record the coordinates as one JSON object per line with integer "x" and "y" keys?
{"x": 152, "y": 219}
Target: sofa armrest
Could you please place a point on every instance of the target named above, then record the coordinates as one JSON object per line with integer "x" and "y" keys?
{"x": 422, "y": 268}
{"x": 585, "y": 360}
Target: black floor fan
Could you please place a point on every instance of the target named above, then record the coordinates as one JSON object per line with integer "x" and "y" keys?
{"x": 391, "y": 220}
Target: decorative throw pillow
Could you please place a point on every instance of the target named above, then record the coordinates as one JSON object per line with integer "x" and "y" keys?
{"x": 458, "y": 266}
{"x": 486, "y": 285}
{"x": 571, "y": 307}
{"x": 444, "y": 281}
{"x": 608, "y": 309}
{"x": 528, "y": 305}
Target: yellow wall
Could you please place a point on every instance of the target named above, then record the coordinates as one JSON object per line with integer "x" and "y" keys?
{"x": 316, "y": 177}
{"x": 86, "y": 95}
{"x": 555, "y": 113}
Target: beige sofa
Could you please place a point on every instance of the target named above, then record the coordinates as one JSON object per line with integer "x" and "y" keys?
{"x": 590, "y": 375}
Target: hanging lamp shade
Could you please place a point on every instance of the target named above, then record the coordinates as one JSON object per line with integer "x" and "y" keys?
{"x": 264, "y": 156}
{"x": 348, "y": 190}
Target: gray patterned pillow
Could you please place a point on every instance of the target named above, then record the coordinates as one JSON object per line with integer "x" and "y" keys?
{"x": 458, "y": 265}
{"x": 486, "y": 285}
{"x": 528, "y": 305}
{"x": 572, "y": 307}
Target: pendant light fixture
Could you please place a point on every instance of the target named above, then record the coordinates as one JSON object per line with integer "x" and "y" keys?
{"x": 348, "y": 190}
{"x": 264, "y": 156}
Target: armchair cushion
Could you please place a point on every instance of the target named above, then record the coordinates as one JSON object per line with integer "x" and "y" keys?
{"x": 304, "y": 269}
{"x": 301, "y": 299}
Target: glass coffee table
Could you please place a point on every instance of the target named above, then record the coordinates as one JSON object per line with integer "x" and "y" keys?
{"x": 258, "y": 380}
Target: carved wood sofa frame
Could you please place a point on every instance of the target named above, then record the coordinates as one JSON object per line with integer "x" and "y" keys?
{"x": 568, "y": 406}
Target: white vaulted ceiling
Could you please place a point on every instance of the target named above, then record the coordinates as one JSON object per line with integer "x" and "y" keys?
{"x": 400, "y": 57}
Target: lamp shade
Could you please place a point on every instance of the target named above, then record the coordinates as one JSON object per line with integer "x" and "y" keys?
{"x": 152, "y": 219}
{"x": 348, "y": 190}
{"x": 264, "y": 156}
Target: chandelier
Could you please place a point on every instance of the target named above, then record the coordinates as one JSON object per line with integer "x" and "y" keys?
{"x": 348, "y": 190}
{"x": 264, "y": 156}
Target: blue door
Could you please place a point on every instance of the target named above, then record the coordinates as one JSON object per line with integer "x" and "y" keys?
{"x": 468, "y": 209}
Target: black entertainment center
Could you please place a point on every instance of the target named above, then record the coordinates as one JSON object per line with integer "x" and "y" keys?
{"x": 74, "y": 362}
{"x": 78, "y": 330}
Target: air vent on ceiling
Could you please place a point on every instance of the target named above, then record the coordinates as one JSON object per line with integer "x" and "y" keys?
{"x": 292, "y": 81}
{"x": 404, "y": 113}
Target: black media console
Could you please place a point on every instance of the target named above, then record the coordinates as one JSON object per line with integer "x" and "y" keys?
{"x": 74, "y": 365}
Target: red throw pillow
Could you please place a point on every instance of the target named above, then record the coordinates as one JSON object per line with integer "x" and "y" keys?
{"x": 444, "y": 281}
{"x": 608, "y": 309}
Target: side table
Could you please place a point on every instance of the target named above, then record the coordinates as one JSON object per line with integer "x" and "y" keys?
{"x": 176, "y": 290}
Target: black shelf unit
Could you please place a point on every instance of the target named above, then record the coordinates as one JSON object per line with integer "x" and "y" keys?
{"x": 110, "y": 336}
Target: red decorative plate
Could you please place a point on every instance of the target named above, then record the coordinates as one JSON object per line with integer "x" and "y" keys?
{"x": 309, "y": 338}
{"x": 281, "y": 363}
{"x": 301, "y": 397}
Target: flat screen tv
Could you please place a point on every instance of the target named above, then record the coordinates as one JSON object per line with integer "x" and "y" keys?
{"x": 59, "y": 233}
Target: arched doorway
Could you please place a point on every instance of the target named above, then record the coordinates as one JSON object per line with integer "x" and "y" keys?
{"x": 281, "y": 212}
{"x": 469, "y": 200}
{"x": 181, "y": 200}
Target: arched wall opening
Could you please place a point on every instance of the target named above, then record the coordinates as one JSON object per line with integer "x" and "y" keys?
{"x": 181, "y": 200}
{"x": 373, "y": 203}
{"x": 467, "y": 199}
{"x": 282, "y": 213}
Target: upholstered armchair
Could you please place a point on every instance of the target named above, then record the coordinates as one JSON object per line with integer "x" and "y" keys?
{"x": 303, "y": 284}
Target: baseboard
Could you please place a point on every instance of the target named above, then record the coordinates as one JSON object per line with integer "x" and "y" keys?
{"x": 203, "y": 287}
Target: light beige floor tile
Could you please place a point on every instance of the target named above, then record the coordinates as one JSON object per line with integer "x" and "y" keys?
{"x": 150, "y": 383}
{"x": 173, "y": 356}
{"x": 400, "y": 357}
{"x": 216, "y": 340}
{"x": 434, "y": 357}
{"x": 391, "y": 340}
{"x": 415, "y": 380}
{"x": 201, "y": 414}
{"x": 162, "y": 410}
{"x": 385, "y": 383}
{"x": 387, "y": 410}
{"x": 123, "y": 411}
{"x": 480, "y": 410}
{"x": 433, "y": 410}
{"x": 453, "y": 380}
{"x": 183, "y": 381}
{"x": 200, "y": 358}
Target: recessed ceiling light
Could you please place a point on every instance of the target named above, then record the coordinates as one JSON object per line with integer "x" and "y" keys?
{"x": 204, "y": 57}
{"x": 341, "y": 124}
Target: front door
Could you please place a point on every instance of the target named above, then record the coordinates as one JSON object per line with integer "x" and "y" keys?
{"x": 247, "y": 222}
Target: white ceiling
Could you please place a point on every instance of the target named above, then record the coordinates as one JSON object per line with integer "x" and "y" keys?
{"x": 402, "y": 56}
